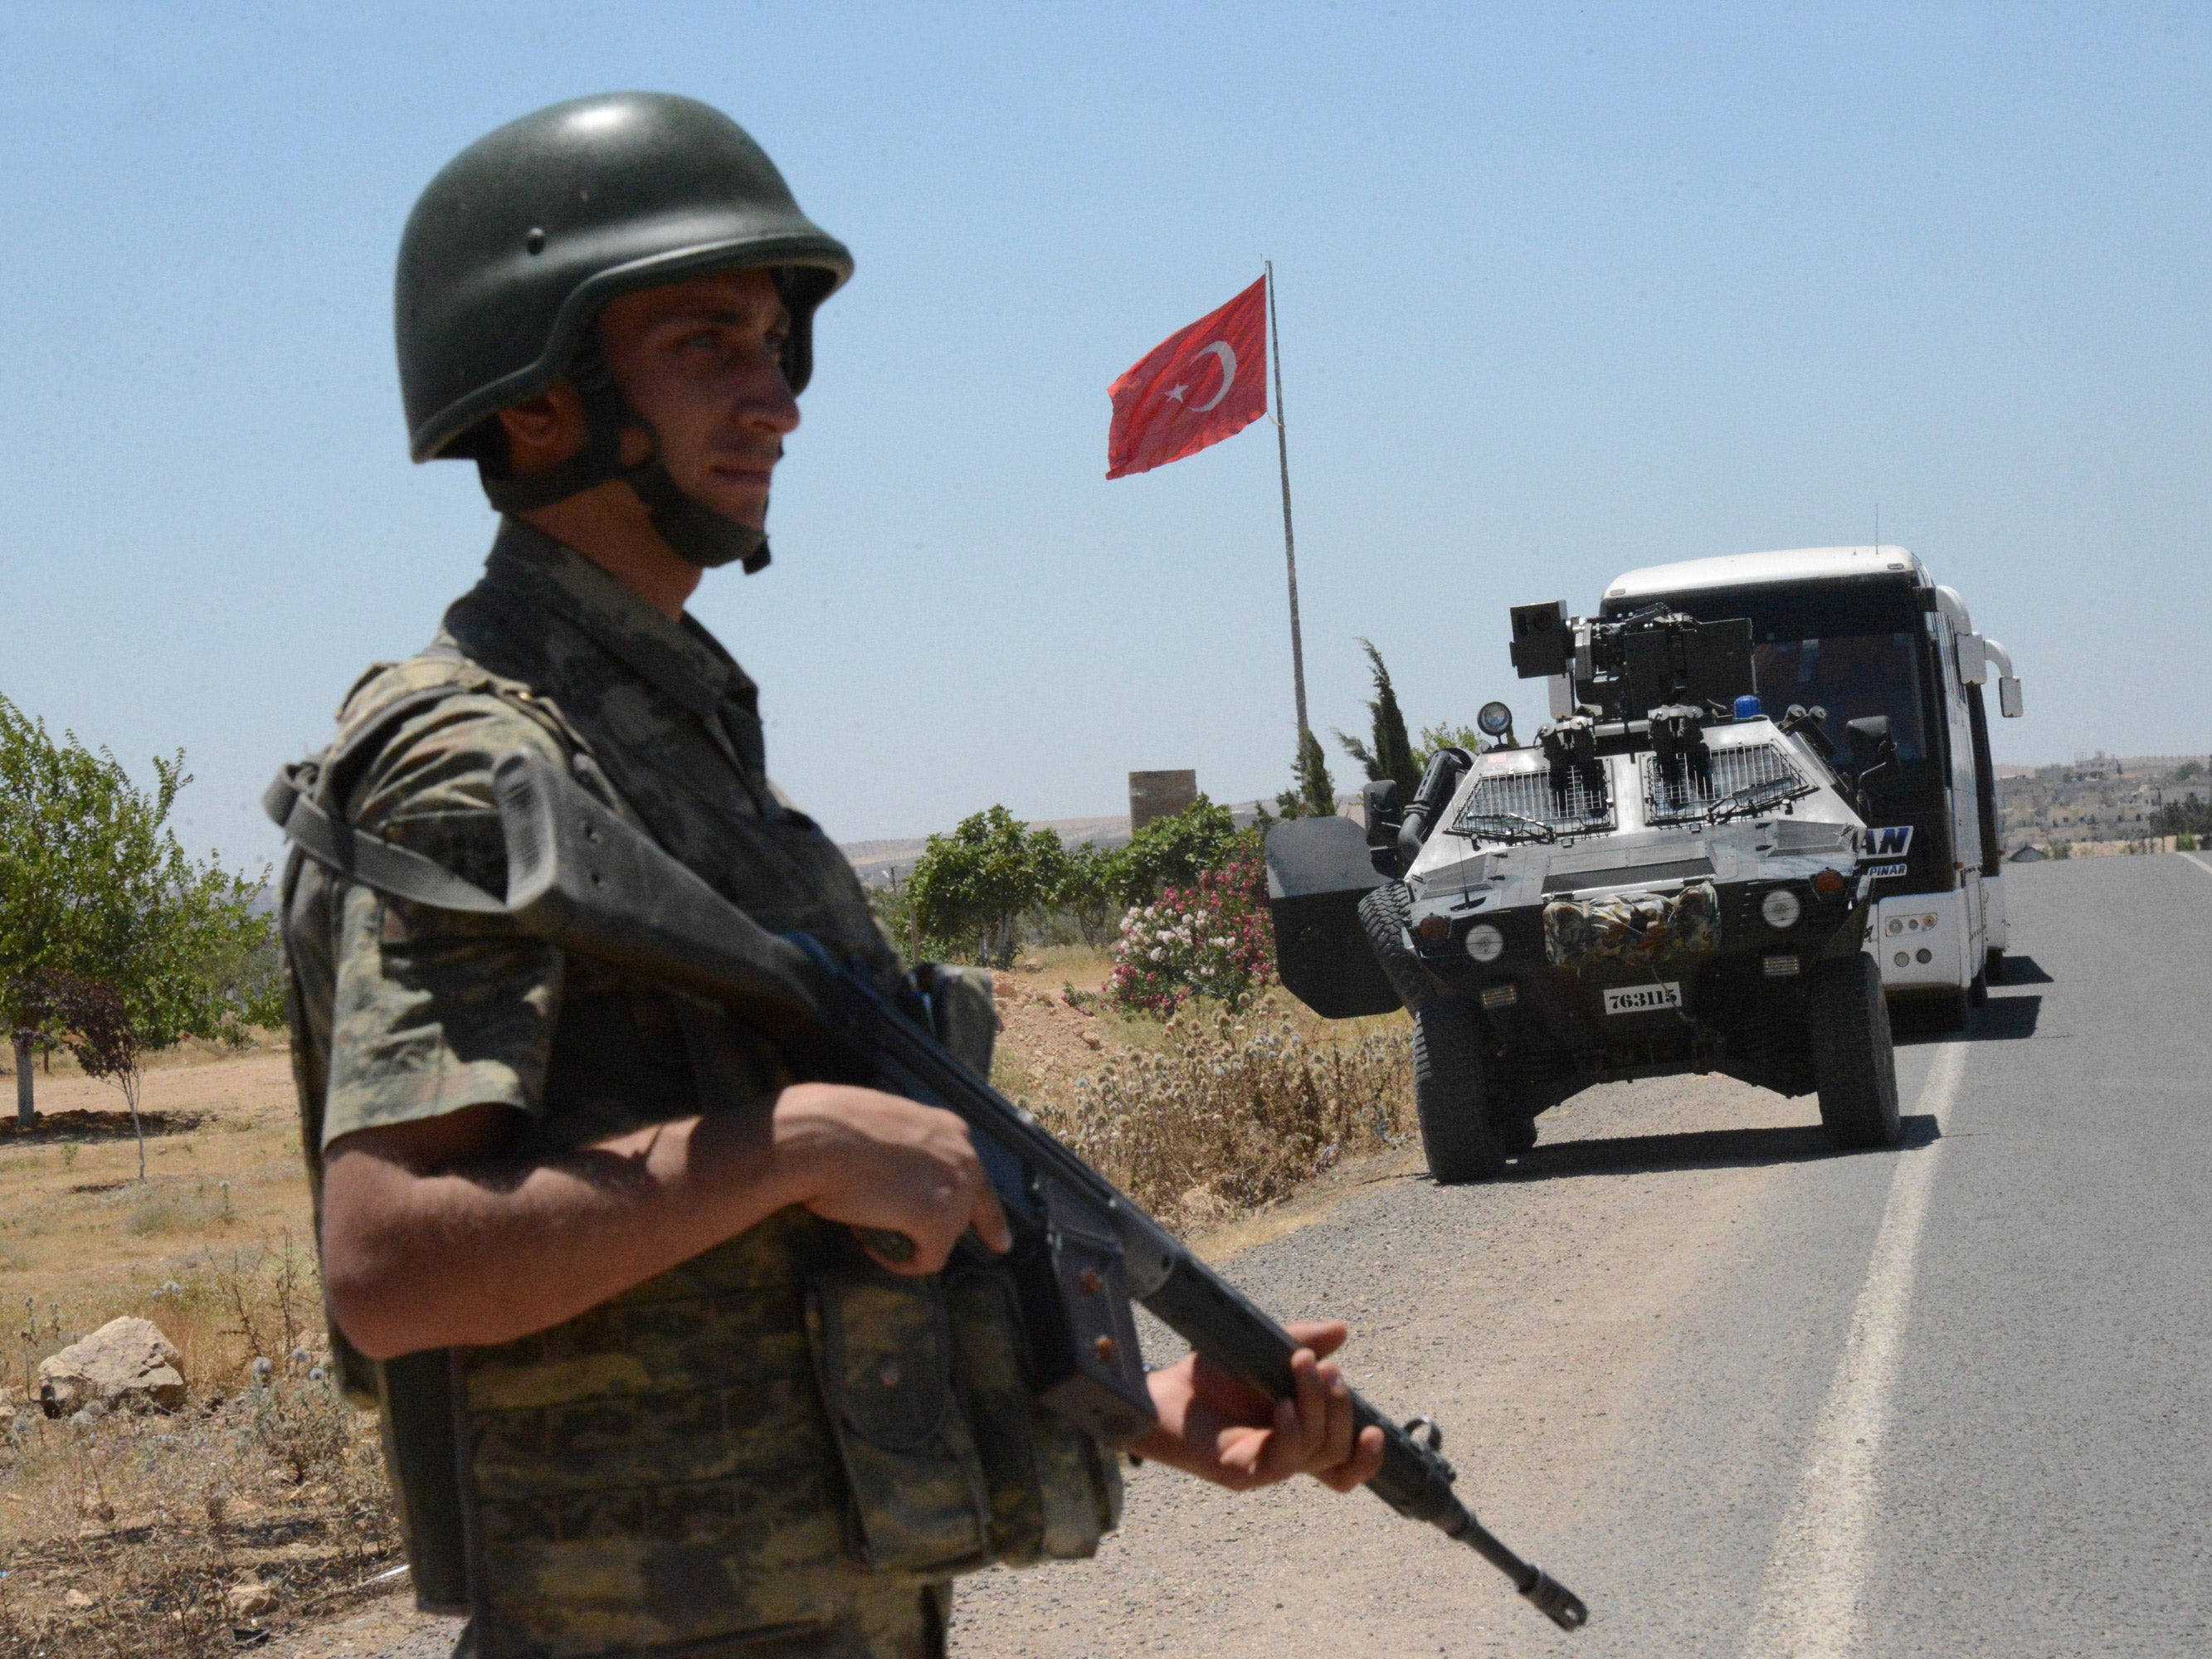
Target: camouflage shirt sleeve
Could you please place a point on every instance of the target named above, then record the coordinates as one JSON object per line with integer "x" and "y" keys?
{"x": 436, "y": 1010}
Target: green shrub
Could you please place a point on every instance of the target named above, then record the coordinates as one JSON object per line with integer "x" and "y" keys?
{"x": 973, "y": 887}
{"x": 1172, "y": 852}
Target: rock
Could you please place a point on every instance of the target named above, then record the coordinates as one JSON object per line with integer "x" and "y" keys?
{"x": 1092, "y": 1040}
{"x": 249, "y": 1598}
{"x": 77, "y": 1601}
{"x": 126, "y": 1362}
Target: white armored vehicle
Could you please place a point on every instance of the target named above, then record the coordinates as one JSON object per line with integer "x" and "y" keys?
{"x": 1670, "y": 879}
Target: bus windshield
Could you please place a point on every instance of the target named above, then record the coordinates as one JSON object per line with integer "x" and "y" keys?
{"x": 1851, "y": 647}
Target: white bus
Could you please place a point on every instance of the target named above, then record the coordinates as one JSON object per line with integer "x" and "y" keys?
{"x": 1860, "y": 631}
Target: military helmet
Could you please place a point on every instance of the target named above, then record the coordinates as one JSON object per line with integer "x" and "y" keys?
{"x": 516, "y": 244}
{"x": 514, "y": 247}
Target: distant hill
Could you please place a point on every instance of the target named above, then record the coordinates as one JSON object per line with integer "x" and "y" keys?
{"x": 2096, "y": 798}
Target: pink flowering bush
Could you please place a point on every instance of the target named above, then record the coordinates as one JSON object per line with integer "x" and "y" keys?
{"x": 1210, "y": 940}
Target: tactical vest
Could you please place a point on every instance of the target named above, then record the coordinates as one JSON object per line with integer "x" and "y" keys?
{"x": 719, "y": 1450}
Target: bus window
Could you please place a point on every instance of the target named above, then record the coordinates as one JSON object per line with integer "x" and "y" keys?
{"x": 1851, "y": 676}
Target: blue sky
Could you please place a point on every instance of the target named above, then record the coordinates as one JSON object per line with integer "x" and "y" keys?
{"x": 1562, "y": 290}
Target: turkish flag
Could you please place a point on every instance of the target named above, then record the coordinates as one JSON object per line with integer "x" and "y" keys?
{"x": 1196, "y": 387}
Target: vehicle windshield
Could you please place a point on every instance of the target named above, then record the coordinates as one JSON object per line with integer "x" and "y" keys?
{"x": 1852, "y": 648}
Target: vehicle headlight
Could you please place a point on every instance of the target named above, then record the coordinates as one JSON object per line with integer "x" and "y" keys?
{"x": 1781, "y": 906}
{"x": 1485, "y": 943}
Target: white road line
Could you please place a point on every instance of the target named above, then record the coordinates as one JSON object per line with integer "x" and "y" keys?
{"x": 1812, "y": 1605}
{"x": 2199, "y": 863}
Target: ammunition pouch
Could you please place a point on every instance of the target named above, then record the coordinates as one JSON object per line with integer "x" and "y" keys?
{"x": 963, "y": 1016}
{"x": 950, "y": 1462}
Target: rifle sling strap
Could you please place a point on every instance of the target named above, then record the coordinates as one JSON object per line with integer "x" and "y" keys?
{"x": 369, "y": 860}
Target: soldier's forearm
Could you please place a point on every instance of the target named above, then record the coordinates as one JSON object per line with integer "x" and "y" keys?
{"x": 424, "y": 1251}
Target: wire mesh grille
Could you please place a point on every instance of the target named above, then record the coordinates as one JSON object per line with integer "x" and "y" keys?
{"x": 1747, "y": 779}
{"x": 1522, "y": 806}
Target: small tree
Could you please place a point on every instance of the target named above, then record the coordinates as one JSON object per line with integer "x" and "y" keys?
{"x": 89, "y": 1015}
{"x": 94, "y": 886}
{"x": 977, "y": 882}
{"x": 1388, "y": 752}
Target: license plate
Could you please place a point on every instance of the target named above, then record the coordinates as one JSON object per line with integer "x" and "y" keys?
{"x": 1642, "y": 999}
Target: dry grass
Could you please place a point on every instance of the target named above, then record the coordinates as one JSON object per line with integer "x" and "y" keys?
{"x": 1227, "y": 1113}
{"x": 124, "y": 1535}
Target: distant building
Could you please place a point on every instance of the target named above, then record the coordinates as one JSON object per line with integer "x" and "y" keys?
{"x": 1159, "y": 795}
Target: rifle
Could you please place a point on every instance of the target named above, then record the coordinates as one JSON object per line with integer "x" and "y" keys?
{"x": 585, "y": 881}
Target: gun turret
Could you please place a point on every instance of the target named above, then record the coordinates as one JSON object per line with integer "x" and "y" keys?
{"x": 1625, "y": 668}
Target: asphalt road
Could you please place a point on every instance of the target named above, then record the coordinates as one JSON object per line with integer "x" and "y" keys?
{"x": 1752, "y": 1398}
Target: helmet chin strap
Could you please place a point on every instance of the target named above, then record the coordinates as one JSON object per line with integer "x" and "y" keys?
{"x": 698, "y": 534}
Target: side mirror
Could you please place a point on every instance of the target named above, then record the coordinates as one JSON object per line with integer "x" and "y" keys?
{"x": 1973, "y": 659}
{"x": 1379, "y": 802}
{"x": 2008, "y": 702}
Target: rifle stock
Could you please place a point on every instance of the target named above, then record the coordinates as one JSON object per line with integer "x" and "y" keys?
{"x": 584, "y": 880}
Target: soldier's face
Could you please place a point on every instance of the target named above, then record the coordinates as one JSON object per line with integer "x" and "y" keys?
{"x": 702, "y": 362}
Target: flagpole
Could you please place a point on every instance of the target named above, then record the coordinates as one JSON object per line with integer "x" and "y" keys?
{"x": 1289, "y": 541}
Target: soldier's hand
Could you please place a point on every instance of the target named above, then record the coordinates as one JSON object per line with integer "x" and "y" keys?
{"x": 1215, "y": 1427}
{"x": 883, "y": 1162}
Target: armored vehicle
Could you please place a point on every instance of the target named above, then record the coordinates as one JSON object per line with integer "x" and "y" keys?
{"x": 1669, "y": 879}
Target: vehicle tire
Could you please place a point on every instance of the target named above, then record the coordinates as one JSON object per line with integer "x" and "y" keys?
{"x": 1978, "y": 993}
{"x": 1993, "y": 969}
{"x": 1852, "y": 1058}
{"x": 1449, "y": 1095}
{"x": 1384, "y": 914}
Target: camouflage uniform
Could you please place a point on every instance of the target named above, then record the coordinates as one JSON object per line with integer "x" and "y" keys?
{"x": 659, "y": 1474}
{"x": 1635, "y": 930}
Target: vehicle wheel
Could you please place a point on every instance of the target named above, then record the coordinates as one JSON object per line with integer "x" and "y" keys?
{"x": 1449, "y": 1095}
{"x": 1384, "y": 914}
{"x": 1851, "y": 1054}
{"x": 1978, "y": 993}
{"x": 1993, "y": 969}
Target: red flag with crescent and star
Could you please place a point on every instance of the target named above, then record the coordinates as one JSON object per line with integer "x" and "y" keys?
{"x": 1198, "y": 385}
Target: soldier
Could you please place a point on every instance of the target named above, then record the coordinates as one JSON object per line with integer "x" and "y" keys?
{"x": 591, "y": 1248}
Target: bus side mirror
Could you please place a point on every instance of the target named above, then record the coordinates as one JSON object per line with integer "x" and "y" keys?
{"x": 1973, "y": 659}
{"x": 2008, "y": 702}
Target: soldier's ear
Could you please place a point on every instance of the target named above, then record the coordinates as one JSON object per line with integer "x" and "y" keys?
{"x": 544, "y": 430}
